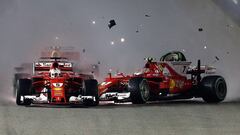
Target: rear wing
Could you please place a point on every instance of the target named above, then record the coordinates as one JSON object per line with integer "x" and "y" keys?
{"x": 45, "y": 66}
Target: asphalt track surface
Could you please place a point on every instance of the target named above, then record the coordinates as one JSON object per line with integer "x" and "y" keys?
{"x": 167, "y": 118}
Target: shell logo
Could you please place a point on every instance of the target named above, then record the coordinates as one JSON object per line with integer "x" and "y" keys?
{"x": 160, "y": 67}
{"x": 172, "y": 84}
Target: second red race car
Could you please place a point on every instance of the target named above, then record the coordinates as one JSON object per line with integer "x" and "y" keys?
{"x": 170, "y": 78}
{"x": 54, "y": 82}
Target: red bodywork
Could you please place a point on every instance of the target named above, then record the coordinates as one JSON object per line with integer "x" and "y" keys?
{"x": 162, "y": 77}
{"x": 58, "y": 89}
{"x": 56, "y": 81}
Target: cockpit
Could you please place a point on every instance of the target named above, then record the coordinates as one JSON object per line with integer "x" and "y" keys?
{"x": 54, "y": 70}
{"x": 173, "y": 56}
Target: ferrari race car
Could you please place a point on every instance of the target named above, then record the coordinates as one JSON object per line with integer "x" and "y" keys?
{"x": 170, "y": 78}
{"x": 54, "y": 82}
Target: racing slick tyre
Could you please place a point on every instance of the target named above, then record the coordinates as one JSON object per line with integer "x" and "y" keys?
{"x": 23, "y": 87}
{"x": 91, "y": 89}
{"x": 139, "y": 90}
{"x": 214, "y": 89}
{"x": 16, "y": 77}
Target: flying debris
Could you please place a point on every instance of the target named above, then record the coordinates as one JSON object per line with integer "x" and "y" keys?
{"x": 84, "y": 50}
{"x": 216, "y": 57}
{"x": 147, "y": 15}
{"x": 139, "y": 27}
{"x": 200, "y": 29}
{"x": 137, "y": 30}
{"x": 99, "y": 62}
{"x": 111, "y": 24}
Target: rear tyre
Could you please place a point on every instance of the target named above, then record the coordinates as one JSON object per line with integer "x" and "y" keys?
{"x": 23, "y": 87}
{"x": 91, "y": 89}
{"x": 139, "y": 90}
{"x": 214, "y": 89}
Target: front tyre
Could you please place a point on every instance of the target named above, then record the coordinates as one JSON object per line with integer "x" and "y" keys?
{"x": 214, "y": 89}
{"x": 139, "y": 90}
{"x": 91, "y": 89}
{"x": 23, "y": 87}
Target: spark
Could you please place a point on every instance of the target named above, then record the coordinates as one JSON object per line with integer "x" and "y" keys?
{"x": 122, "y": 40}
{"x": 235, "y": 1}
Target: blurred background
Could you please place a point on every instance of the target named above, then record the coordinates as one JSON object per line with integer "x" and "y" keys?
{"x": 207, "y": 30}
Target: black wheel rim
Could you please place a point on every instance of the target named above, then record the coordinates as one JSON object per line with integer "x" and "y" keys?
{"x": 221, "y": 89}
{"x": 144, "y": 89}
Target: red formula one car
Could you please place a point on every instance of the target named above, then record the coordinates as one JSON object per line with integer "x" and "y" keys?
{"x": 171, "y": 78}
{"x": 54, "y": 82}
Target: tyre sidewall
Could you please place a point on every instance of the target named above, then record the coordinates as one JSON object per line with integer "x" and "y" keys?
{"x": 139, "y": 89}
{"x": 214, "y": 89}
{"x": 144, "y": 90}
{"x": 219, "y": 86}
{"x": 23, "y": 88}
{"x": 90, "y": 88}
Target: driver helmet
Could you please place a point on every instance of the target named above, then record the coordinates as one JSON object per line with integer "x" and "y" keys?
{"x": 149, "y": 60}
{"x": 54, "y": 70}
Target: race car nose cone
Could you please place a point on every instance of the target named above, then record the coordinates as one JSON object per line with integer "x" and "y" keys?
{"x": 58, "y": 99}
